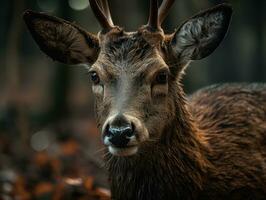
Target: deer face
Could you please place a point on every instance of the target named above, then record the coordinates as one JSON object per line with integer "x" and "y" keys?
{"x": 133, "y": 74}
{"x": 130, "y": 82}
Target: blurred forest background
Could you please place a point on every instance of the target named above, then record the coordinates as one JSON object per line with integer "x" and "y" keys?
{"x": 49, "y": 144}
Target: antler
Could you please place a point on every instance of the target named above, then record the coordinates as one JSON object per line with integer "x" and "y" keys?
{"x": 101, "y": 11}
{"x": 164, "y": 9}
{"x": 105, "y": 7}
{"x": 156, "y": 18}
{"x": 153, "y": 18}
{"x": 157, "y": 15}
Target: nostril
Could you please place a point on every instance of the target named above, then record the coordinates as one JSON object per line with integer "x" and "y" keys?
{"x": 129, "y": 130}
{"x": 107, "y": 131}
{"x": 133, "y": 128}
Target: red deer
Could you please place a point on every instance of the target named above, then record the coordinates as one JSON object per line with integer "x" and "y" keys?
{"x": 161, "y": 144}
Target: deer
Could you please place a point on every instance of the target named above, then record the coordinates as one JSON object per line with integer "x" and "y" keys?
{"x": 160, "y": 143}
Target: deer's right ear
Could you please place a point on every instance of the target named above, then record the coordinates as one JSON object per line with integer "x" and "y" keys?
{"x": 61, "y": 40}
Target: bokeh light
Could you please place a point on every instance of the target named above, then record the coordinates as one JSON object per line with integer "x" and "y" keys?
{"x": 78, "y": 4}
{"x": 41, "y": 140}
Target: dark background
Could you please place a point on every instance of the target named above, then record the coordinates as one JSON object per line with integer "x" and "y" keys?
{"x": 47, "y": 130}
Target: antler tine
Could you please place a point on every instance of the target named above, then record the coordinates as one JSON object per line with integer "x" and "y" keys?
{"x": 164, "y": 9}
{"x": 105, "y": 7}
{"x": 153, "y": 18}
{"x": 105, "y": 23}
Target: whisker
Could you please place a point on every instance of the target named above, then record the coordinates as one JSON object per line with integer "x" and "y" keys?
{"x": 101, "y": 150}
{"x": 108, "y": 160}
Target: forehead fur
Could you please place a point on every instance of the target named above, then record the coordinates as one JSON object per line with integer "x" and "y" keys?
{"x": 129, "y": 49}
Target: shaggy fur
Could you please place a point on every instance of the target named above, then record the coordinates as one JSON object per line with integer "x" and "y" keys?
{"x": 233, "y": 119}
{"x": 211, "y": 146}
{"x": 216, "y": 152}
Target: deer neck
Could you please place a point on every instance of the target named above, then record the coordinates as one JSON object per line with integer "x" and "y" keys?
{"x": 173, "y": 168}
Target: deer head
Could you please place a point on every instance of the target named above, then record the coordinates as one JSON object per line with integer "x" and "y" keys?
{"x": 134, "y": 74}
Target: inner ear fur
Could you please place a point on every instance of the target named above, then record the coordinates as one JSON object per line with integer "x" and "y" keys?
{"x": 61, "y": 40}
{"x": 200, "y": 35}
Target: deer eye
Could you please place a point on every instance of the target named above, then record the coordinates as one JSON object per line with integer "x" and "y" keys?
{"x": 94, "y": 78}
{"x": 162, "y": 77}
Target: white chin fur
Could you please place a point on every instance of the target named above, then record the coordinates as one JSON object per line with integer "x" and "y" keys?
{"x": 128, "y": 151}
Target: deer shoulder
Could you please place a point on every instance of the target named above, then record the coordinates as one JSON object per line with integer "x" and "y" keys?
{"x": 232, "y": 118}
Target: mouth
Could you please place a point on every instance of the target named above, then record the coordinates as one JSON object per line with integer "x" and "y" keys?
{"x": 124, "y": 151}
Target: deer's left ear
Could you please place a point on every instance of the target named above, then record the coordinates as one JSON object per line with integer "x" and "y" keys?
{"x": 199, "y": 36}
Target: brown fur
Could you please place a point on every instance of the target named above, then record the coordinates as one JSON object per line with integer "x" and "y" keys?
{"x": 209, "y": 147}
{"x": 217, "y": 153}
{"x": 232, "y": 118}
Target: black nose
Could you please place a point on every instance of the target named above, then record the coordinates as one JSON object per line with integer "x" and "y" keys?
{"x": 119, "y": 131}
